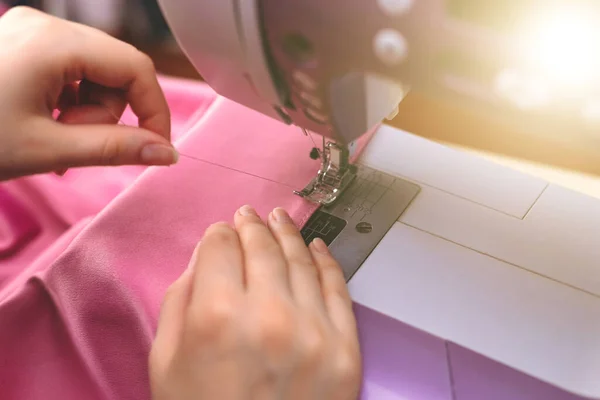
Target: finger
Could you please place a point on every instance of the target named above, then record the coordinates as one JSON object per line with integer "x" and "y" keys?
{"x": 219, "y": 264}
{"x": 65, "y": 146}
{"x": 121, "y": 66}
{"x": 173, "y": 311}
{"x": 265, "y": 265}
{"x": 88, "y": 114}
{"x": 303, "y": 274}
{"x": 334, "y": 288}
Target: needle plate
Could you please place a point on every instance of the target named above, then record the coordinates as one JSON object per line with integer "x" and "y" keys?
{"x": 354, "y": 225}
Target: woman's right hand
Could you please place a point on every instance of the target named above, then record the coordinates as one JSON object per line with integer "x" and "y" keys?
{"x": 257, "y": 315}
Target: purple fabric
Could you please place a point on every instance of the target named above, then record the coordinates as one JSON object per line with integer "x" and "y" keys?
{"x": 477, "y": 377}
{"x": 400, "y": 361}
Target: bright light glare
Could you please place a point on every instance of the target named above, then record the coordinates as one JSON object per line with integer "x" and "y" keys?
{"x": 563, "y": 45}
{"x": 591, "y": 111}
{"x": 526, "y": 92}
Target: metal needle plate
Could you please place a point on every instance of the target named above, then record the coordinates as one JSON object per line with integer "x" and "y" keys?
{"x": 354, "y": 225}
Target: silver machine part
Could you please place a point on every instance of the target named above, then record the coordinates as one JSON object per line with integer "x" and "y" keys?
{"x": 334, "y": 176}
{"x": 359, "y": 219}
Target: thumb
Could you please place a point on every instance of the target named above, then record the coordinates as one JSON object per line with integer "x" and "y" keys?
{"x": 103, "y": 144}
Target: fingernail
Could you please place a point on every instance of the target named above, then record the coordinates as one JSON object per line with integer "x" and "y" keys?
{"x": 320, "y": 246}
{"x": 247, "y": 211}
{"x": 281, "y": 216}
{"x": 159, "y": 154}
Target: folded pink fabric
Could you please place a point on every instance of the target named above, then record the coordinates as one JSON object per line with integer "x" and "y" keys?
{"x": 78, "y": 319}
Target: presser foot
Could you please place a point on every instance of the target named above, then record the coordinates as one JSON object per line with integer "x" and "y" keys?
{"x": 334, "y": 176}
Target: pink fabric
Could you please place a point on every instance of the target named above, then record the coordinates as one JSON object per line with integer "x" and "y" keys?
{"x": 79, "y": 311}
{"x": 36, "y": 211}
{"x": 17, "y": 226}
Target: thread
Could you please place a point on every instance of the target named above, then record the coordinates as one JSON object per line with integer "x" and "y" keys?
{"x": 304, "y": 131}
{"x": 120, "y": 122}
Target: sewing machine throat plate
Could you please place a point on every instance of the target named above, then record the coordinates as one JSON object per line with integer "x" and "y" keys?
{"x": 354, "y": 225}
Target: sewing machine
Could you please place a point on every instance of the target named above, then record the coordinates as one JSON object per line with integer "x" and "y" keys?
{"x": 472, "y": 281}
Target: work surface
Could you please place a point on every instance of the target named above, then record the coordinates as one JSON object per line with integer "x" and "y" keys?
{"x": 491, "y": 259}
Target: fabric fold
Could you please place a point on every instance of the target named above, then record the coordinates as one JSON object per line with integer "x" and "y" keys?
{"x": 98, "y": 301}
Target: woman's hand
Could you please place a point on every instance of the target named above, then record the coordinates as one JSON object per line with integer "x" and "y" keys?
{"x": 257, "y": 315}
{"x": 49, "y": 64}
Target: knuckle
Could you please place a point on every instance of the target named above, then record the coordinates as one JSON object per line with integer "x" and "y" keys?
{"x": 219, "y": 227}
{"x": 220, "y": 312}
{"x": 34, "y": 21}
{"x": 251, "y": 225}
{"x": 288, "y": 230}
{"x": 144, "y": 62}
{"x": 313, "y": 344}
{"x": 293, "y": 238}
{"x": 273, "y": 333}
{"x": 111, "y": 151}
{"x": 331, "y": 266}
{"x": 214, "y": 321}
{"x": 304, "y": 262}
{"x": 258, "y": 238}
{"x": 21, "y": 12}
{"x": 347, "y": 366}
{"x": 221, "y": 233}
{"x": 341, "y": 296}
{"x": 333, "y": 272}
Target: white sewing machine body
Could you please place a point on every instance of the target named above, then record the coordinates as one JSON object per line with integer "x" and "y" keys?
{"x": 488, "y": 270}
{"x": 488, "y": 287}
